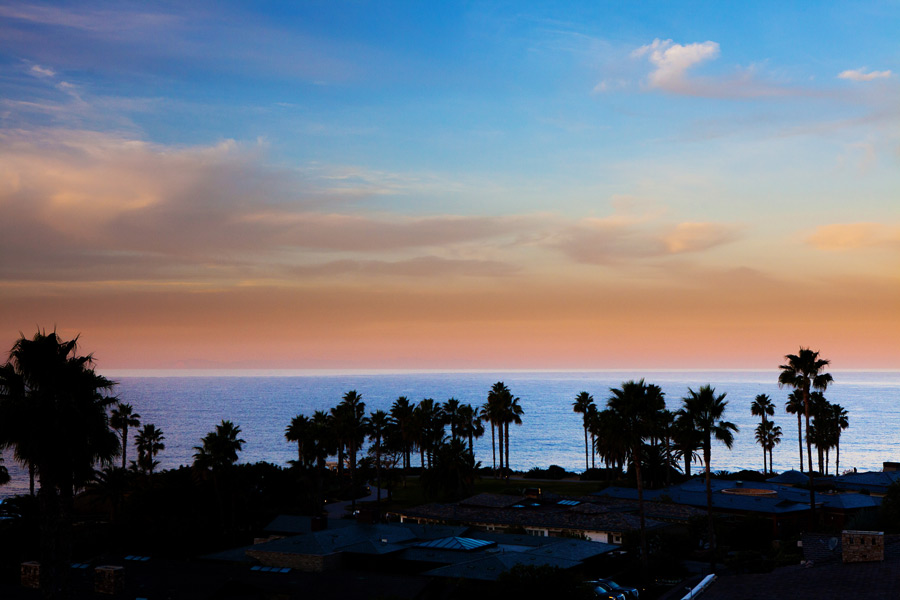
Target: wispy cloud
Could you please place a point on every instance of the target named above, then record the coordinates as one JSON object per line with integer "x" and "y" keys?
{"x": 39, "y": 71}
{"x": 106, "y": 206}
{"x": 853, "y": 236}
{"x": 672, "y": 62}
{"x": 615, "y": 241}
{"x": 863, "y": 75}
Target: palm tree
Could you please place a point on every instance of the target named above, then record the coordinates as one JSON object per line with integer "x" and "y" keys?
{"x": 429, "y": 425}
{"x": 377, "y": 426}
{"x": 402, "y": 419}
{"x": 686, "y": 440}
{"x": 767, "y": 435}
{"x": 53, "y": 412}
{"x": 121, "y": 418}
{"x": 493, "y": 411}
{"x": 513, "y": 414}
{"x": 471, "y": 426}
{"x": 216, "y": 455}
{"x": 761, "y": 407}
{"x": 299, "y": 431}
{"x": 707, "y": 411}
{"x": 219, "y": 448}
{"x": 452, "y": 416}
{"x": 636, "y": 405}
{"x": 805, "y": 371}
{"x": 794, "y": 406}
{"x": 773, "y": 438}
{"x": 149, "y": 443}
{"x": 583, "y": 403}
{"x": 354, "y": 411}
{"x": 841, "y": 422}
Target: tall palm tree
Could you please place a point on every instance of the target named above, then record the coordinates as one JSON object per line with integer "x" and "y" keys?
{"x": 794, "y": 406}
{"x": 707, "y": 411}
{"x": 636, "y": 404}
{"x": 841, "y": 422}
{"x": 762, "y": 406}
{"x": 452, "y": 416}
{"x": 402, "y": 419}
{"x": 149, "y": 443}
{"x": 805, "y": 372}
{"x": 355, "y": 412}
{"x": 219, "y": 448}
{"x": 121, "y": 418}
{"x": 429, "y": 421}
{"x": 377, "y": 426}
{"x": 53, "y": 412}
{"x": 583, "y": 403}
{"x": 513, "y": 414}
{"x": 773, "y": 438}
{"x": 472, "y": 427}
{"x": 767, "y": 435}
{"x": 686, "y": 440}
{"x": 494, "y": 412}
{"x": 298, "y": 431}
{"x": 608, "y": 442}
{"x": 215, "y": 456}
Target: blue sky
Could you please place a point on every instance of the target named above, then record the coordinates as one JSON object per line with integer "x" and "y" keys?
{"x": 444, "y": 154}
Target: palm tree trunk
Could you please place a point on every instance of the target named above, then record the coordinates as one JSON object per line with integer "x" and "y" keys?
{"x": 500, "y": 446}
{"x": 493, "y": 452}
{"x": 645, "y": 566}
{"x": 124, "y": 444}
{"x": 771, "y": 468}
{"x": 800, "y": 439}
{"x": 507, "y": 449}
{"x": 812, "y": 489}
{"x": 585, "y": 449}
{"x": 712, "y": 530}
{"x": 837, "y": 456}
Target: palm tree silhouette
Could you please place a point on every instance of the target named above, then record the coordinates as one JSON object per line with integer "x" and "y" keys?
{"x": 767, "y": 435}
{"x": 707, "y": 410}
{"x": 583, "y": 403}
{"x": 471, "y": 426}
{"x": 121, "y": 418}
{"x": 794, "y": 406}
{"x": 761, "y": 407}
{"x": 841, "y": 421}
{"x": 377, "y": 427}
{"x": 636, "y": 405}
{"x": 513, "y": 414}
{"x": 219, "y": 448}
{"x": 149, "y": 443}
{"x": 402, "y": 419}
{"x": 54, "y": 414}
{"x": 805, "y": 371}
{"x": 299, "y": 431}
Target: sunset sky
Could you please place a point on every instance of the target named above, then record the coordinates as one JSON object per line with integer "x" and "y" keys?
{"x": 431, "y": 185}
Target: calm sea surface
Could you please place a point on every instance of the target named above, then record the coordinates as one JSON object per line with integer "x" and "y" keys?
{"x": 262, "y": 404}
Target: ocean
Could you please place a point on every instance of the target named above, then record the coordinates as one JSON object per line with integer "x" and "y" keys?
{"x": 187, "y": 405}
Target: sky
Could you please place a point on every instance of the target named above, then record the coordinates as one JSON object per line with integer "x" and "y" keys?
{"x": 442, "y": 185}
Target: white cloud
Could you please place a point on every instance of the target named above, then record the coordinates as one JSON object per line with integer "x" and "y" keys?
{"x": 40, "y": 71}
{"x": 672, "y": 61}
{"x": 861, "y": 75}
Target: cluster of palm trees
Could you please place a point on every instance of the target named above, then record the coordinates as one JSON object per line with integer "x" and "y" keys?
{"x": 768, "y": 434}
{"x": 636, "y": 428}
{"x": 436, "y": 431}
{"x": 148, "y": 440}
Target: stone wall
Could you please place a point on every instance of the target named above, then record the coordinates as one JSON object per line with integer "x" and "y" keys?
{"x": 862, "y": 546}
